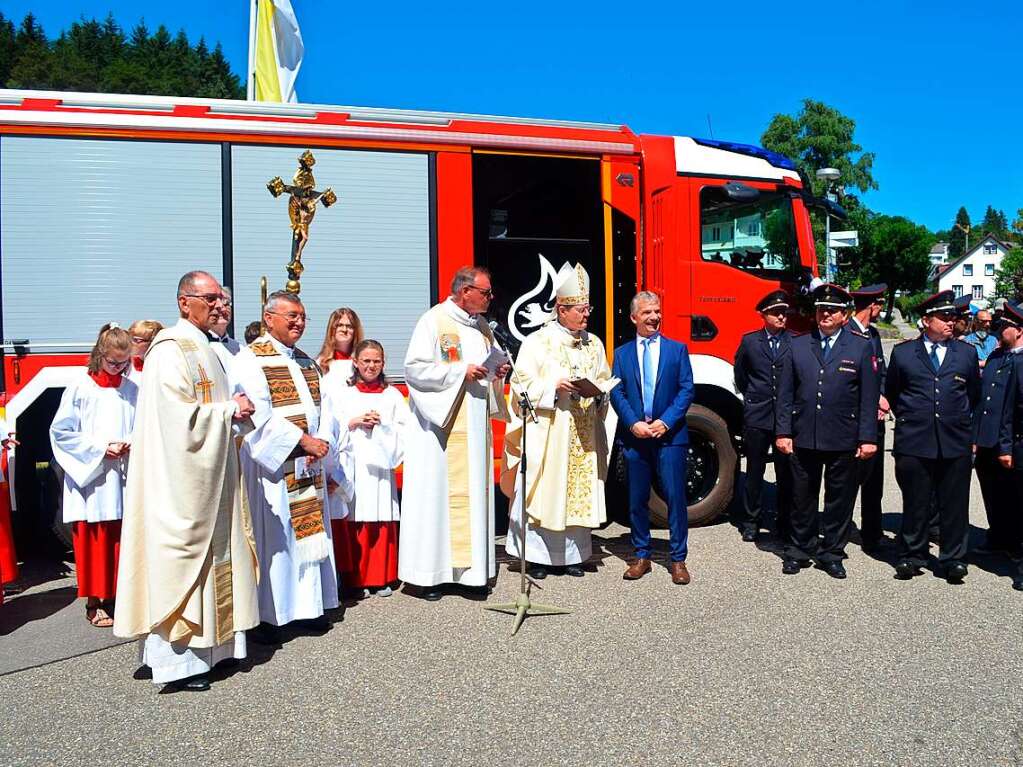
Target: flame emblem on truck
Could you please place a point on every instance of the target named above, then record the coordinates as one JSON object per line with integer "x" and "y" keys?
{"x": 531, "y": 310}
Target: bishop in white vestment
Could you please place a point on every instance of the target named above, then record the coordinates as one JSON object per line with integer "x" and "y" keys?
{"x": 283, "y": 470}
{"x": 567, "y": 449}
{"x": 447, "y": 510}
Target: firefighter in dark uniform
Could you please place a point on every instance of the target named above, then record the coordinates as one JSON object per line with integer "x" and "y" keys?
{"x": 758, "y": 363}
{"x": 826, "y": 419}
{"x": 992, "y": 442}
{"x": 867, "y": 303}
{"x": 1012, "y": 315}
{"x": 933, "y": 386}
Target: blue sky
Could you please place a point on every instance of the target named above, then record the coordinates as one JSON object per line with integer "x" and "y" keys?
{"x": 936, "y": 88}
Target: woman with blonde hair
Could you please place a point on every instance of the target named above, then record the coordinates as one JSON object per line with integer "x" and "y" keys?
{"x": 142, "y": 333}
{"x": 344, "y": 333}
{"x": 90, "y": 436}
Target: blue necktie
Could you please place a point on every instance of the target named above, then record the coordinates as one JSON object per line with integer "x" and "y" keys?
{"x": 649, "y": 379}
{"x": 934, "y": 357}
{"x": 774, "y": 347}
{"x": 827, "y": 346}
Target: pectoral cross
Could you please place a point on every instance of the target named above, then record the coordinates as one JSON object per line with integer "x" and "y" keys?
{"x": 204, "y": 388}
{"x": 301, "y": 209}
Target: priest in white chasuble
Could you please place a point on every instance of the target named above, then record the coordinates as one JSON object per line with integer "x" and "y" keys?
{"x": 283, "y": 470}
{"x": 187, "y": 573}
{"x": 447, "y": 509}
{"x": 567, "y": 450}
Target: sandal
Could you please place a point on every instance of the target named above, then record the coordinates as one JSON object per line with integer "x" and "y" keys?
{"x": 98, "y": 617}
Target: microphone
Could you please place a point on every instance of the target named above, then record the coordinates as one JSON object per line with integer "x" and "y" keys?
{"x": 527, "y": 406}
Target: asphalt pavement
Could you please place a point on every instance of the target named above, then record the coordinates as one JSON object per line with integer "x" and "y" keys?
{"x": 745, "y": 666}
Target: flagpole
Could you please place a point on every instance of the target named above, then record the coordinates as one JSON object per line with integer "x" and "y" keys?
{"x": 250, "y": 83}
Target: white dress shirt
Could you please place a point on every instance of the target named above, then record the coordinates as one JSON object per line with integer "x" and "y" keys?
{"x": 929, "y": 344}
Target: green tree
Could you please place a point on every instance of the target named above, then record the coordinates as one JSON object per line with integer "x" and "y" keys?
{"x": 994, "y": 223}
{"x": 896, "y": 251}
{"x": 1009, "y": 276}
{"x": 97, "y": 56}
{"x": 957, "y": 237}
{"x": 820, "y": 136}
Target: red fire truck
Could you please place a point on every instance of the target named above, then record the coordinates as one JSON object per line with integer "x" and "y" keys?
{"x": 106, "y": 200}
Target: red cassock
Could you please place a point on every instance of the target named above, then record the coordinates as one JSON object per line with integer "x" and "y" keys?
{"x": 374, "y": 552}
{"x": 8, "y": 558}
{"x": 97, "y": 547}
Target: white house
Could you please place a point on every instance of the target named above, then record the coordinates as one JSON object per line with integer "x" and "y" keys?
{"x": 973, "y": 273}
{"x": 939, "y": 253}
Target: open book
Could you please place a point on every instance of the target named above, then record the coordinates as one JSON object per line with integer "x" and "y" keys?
{"x": 588, "y": 388}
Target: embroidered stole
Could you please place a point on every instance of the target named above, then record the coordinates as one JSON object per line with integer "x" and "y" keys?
{"x": 456, "y": 446}
{"x": 305, "y": 494}
{"x": 221, "y": 544}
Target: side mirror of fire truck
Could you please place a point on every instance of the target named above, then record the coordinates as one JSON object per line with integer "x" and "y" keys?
{"x": 739, "y": 192}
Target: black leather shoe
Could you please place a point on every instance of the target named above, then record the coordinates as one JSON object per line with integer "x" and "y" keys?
{"x": 749, "y": 536}
{"x": 790, "y": 566}
{"x": 192, "y": 684}
{"x": 834, "y": 569}
{"x": 1018, "y": 584}
{"x": 955, "y": 572}
{"x": 266, "y": 633}
{"x": 904, "y": 570}
{"x": 320, "y": 625}
{"x": 431, "y": 593}
{"x": 575, "y": 571}
{"x": 536, "y": 572}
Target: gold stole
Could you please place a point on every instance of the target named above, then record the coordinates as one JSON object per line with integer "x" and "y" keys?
{"x": 221, "y": 544}
{"x": 456, "y": 447}
{"x": 305, "y": 494}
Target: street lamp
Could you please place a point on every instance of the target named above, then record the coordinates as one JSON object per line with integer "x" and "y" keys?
{"x": 829, "y": 176}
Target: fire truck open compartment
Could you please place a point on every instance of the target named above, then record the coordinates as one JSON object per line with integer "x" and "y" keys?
{"x": 527, "y": 207}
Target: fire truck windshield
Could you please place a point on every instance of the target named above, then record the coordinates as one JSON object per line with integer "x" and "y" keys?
{"x": 757, "y": 236}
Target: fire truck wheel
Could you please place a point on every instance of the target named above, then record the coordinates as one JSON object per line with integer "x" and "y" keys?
{"x": 710, "y": 470}
{"x": 55, "y": 506}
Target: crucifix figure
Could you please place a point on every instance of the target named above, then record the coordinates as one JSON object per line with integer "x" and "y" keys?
{"x": 301, "y": 209}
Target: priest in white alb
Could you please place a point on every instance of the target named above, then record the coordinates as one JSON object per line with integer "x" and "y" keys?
{"x": 187, "y": 574}
{"x": 447, "y": 510}
{"x": 567, "y": 449}
{"x": 283, "y": 469}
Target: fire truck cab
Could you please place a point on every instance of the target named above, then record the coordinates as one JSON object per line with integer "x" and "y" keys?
{"x": 106, "y": 200}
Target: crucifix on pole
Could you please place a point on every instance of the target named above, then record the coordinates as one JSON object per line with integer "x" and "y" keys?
{"x": 301, "y": 209}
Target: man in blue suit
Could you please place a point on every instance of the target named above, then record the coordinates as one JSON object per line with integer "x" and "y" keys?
{"x": 651, "y": 402}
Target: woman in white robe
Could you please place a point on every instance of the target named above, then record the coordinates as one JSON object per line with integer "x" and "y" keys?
{"x": 90, "y": 436}
{"x": 344, "y": 333}
{"x": 375, "y": 415}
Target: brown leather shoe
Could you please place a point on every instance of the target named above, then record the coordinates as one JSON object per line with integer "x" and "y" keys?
{"x": 637, "y": 570}
{"x": 679, "y": 574}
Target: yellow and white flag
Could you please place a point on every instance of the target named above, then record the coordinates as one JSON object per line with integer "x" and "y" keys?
{"x": 275, "y": 51}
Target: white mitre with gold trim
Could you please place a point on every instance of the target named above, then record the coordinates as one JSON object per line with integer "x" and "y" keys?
{"x": 573, "y": 285}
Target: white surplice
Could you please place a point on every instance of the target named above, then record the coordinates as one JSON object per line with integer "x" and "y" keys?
{"x": 425, "y": 557}
{"x": 88, "y": 419}
{"x": 377, "y": 451}
{"x": 339, "y": 464}
{"x": 289, "y": 588}
{"x": 226, "y": 349}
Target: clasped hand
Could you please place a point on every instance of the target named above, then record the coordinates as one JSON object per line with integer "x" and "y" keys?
{"x": 313, "y": 447}
{"x": 652, "y": 430}
{"x": 245, "y": 407}
{"x": 366, "y": 421}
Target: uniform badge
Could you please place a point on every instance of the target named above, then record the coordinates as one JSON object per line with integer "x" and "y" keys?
{"x": 873, "y": 361}
{"x": 450, "y": 348}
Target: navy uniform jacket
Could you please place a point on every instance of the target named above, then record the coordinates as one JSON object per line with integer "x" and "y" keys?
{"x": 1015, "y": 415}
{"x": 992, "y": 424}
{"x": 757, "y": 376}
{"x": 880, "y": 367}
{"x": 933, "y": 411}
{"x": 828, "y": 405}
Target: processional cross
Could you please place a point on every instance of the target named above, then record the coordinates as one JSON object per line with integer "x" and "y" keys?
{"x": 301, "y": 209}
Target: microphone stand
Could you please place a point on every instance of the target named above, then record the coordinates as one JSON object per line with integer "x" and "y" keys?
{"x": 523, "y": 605}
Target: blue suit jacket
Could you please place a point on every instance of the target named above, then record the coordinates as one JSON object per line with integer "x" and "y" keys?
{"x": 673, "y": 392}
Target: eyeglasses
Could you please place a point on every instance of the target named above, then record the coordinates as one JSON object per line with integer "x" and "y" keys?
{"x": 943, "y": 316}
{"x": 115, "y": 364}
{"x": 831, "y": 309}
{"x": 488, "y": 293}
{"x": 291, "y": 316}
{"x": 581, "y": 308}
{"x": 141, "y": 340}
{"x": 344, "y": 326}
{"x": 212, "y": 299}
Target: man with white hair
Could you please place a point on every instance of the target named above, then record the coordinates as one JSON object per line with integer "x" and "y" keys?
{"x": 222, "y": 344}
{"x": 567, "y": 449}
{"x": 284, "y": 472}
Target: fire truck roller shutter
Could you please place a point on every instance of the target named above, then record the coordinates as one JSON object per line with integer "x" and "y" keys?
{"x": 91, "y": 231}
{"x": 370, "y": 251}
